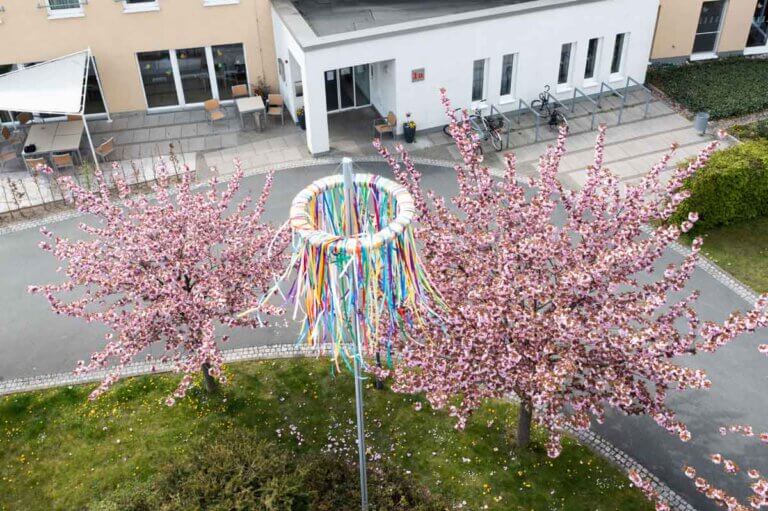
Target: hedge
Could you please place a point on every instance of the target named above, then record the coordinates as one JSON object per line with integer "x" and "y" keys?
{"x": 731, "y": 188}
{"x": 725, "y": 88}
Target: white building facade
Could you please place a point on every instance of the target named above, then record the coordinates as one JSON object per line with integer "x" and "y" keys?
{"x": 498, "y": 55}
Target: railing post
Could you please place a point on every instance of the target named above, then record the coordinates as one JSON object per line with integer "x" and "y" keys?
{"x": 538, "y": 119}
{"x": 600, "y": 95}
{"x": 573, "y": 101}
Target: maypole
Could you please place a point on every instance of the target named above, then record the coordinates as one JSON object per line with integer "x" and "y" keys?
{"x": 355, "y": 274}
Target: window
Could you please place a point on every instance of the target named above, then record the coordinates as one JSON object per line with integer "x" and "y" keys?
{"x": 478, "y": 80}
{"x": 94, "y": 103}
{"x": 617, "y": 61}
{"x": 708, "y": 29}
{"x": 593, "y": 49}
{"x": 566, "y": 54}
{"x": 195, "y": 80}
{"x": 157, "y": 77}
{"x": 229, "y": 67}
{"x": 6, "y": 68}
{"x": 140, "y": 5}
{"x": 281, "y": 68}
{"x": 758, "y": 32}
{"x": 507, "y": 74}
{"x": 65, "y": 8}
{"x": 348, "y": 87}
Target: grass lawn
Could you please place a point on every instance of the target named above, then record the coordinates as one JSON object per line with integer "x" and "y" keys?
{"x": 725, "y": 88}
{"x": 741, "y": 250}
{"x": 59, "y": 451}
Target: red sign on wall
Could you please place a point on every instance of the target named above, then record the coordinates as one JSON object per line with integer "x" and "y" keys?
{"x": 417, "y": 75}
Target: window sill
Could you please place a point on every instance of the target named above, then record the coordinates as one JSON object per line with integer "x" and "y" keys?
{"x": 590, "y": 83}
{"x": 214, "y": 3}
{"x": 755, "y": 50}
{"x": 616, "y": 77}
{"x": 65, "y": 14}
{"x": 507, "y": 100}
{"x": 702, "y": 56}
{"x": 134, "y": 8}
{"x": 563, "y": 88}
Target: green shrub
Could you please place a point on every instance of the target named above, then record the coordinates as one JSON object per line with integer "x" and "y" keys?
{"x": 237, "y": 472}
{"x": 724, "y": 88}
{"x": 750, "y": 131}
{"x": 731, "y": 188}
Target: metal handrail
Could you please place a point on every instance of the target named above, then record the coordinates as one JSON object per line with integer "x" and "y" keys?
{"x": 604, "y": 86}
{"x": 648, "y": 94}
{"x": 536, "y": 114}
{"x": 506, "y": 121}
{"x": 595, "y": 106}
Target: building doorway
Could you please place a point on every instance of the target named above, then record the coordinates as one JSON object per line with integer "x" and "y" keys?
{"x": 347, "y": 88}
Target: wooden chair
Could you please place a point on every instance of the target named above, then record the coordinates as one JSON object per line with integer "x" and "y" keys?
{"x": 6, "y": 157}
{"x": 74, "y": 117}
{"x": 276, "y": 107}
{"x": 33, "y": 163}
{"x": 14, "y": 138}
{"x": 213, "y": 111}
{"x": 106, "y": 148}
{"x": 239, "y": 91}
{"x": 24, "y": 119}
{"x": 386, "y": 124}
{"x": 63, "y": 161}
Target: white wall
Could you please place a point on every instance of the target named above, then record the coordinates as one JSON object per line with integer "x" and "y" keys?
{"x": 447, "y": 54}
{"x": 383, "y": 90}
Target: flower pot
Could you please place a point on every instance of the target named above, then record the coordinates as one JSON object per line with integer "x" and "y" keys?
{"x": 409, "y": 133}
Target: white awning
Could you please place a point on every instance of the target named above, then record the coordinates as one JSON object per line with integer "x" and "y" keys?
{"x": 53, "y": 87}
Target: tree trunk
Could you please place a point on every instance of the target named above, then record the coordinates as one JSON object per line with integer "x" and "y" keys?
{"x": 524, "y": 424}
{"x": 211, "y": 385}
{"x": 378, "y": 384}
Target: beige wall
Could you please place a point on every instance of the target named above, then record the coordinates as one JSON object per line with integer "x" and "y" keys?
{"x": 676, "y": 27}
{"x": 114, "y": 37}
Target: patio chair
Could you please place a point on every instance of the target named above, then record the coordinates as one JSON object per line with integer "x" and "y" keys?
{"x": 386, "y": 124}
{"x": 213, "y": 111}
{"x": 239, "y": 91}
{"x": 33, "y": 163}
{"x": 24, "y": 119}
{"x": 14, "y": 138}
{"x": 106, "y": 148}
{"x": 74, "y": 117}
{"x": 7, "y": 157}
{"x": 63, "y": 161}
{"x": 276, "y": 107}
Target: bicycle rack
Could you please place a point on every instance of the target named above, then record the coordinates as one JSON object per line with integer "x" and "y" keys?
{"x": 536, "y": 115}
{"x": 556, "y": 101}
{"x": 595, "y": 106}
{"x": 604, "y": 86}
{"x": 648, "y": 94}
{"x": 507, "y": 124}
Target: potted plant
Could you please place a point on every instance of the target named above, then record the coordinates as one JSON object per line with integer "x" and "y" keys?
{"x": 261, "y": 89}
{"x": 300, "y": 118}
{"x": 409, "y": 128}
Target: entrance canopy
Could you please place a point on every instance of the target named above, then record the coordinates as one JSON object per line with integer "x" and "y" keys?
{"x": 56, "y": 86}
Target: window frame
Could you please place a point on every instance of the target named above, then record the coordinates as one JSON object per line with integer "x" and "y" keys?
{"x": 568, "y": 83}
{"x": 512, "y": 94}
{"x": 144, "y": 6}
{"x": 483, "y": 83}
{"x": 55, "y": 13}
{"x": 215, "y": 3}
{"x": 592, "y": 80}
{"x": 703, "y": 55}
{"x": 618, "y": 73}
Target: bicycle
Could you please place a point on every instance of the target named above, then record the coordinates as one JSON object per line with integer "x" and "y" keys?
{"x": 487, "y": 128}
{"x": 544, "y": 106}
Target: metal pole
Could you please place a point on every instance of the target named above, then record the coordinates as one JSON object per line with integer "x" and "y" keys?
{"x": 90, "y": 144}
{"x": 349, "y": 200}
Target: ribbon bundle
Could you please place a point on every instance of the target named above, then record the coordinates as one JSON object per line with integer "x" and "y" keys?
{"x": 355, "y": 290}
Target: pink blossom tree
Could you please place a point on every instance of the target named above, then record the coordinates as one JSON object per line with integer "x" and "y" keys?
{"x": 165, "y": 269}
{"x": 552, "y": 294}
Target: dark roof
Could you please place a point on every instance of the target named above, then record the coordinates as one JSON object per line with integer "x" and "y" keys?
{"x": 329, "y": 17}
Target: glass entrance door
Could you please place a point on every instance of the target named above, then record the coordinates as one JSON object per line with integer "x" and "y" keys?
{"x": 348, "y": 87}
{"x": 194, "y": 76}
{"x": 708, "y": 29}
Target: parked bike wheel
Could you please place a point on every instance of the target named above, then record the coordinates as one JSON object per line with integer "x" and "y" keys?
{"x": 496, "y": 140}
{"x": 447, "y": 130}
{"x": 556, "y": 120}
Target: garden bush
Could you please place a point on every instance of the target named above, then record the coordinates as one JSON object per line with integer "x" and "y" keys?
{"x": 731, "y": 188}
{"x": 724, "y": 88}
{"x": 750, "y": 131}
{"x": 238, "y": 472}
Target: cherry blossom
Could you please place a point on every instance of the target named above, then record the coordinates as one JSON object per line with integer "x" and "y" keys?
{"x": 165, "y": 270}
{"x": 553, "y": 294}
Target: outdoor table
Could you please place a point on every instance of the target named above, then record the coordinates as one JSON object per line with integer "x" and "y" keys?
{"x": 56, "y": 137}
{"x": 252, "y": 104}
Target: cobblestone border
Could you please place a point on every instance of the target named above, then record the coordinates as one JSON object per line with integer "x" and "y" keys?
{"x": 589, "y": 438}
